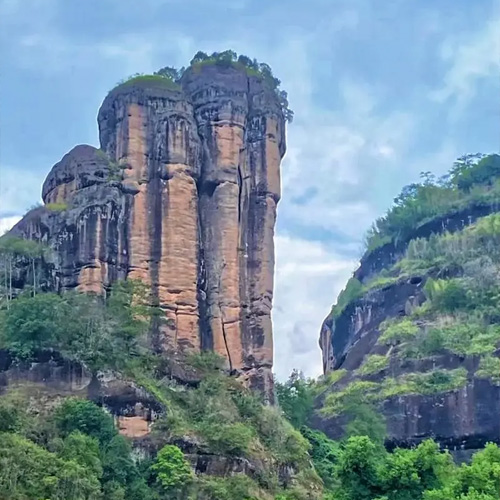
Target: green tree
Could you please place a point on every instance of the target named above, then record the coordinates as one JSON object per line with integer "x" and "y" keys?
{"x": 407, "y": 474}
{"x": 84, "y": 450}
{"x": 34, "y": 323}
{"x": 169, "y": 72}
{"x": 478, "y": 480}
{"x": 357, "y": 469}
{"x": 82, "y": 415}
{"x": 295, "y": 398}
{"x": 171, "y": 470}
{"x": 324, "y": 453}
{"x": 28, "y": 471}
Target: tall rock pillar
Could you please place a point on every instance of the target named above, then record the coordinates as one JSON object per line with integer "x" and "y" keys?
{"x": 241, "y": 129}
{"x": 181, "y": 195}
{"x": 151, "y": 136}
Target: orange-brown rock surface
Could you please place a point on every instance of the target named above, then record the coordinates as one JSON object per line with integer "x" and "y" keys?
{"x": 182, "y": 194}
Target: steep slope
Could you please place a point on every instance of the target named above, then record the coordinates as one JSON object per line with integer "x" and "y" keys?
{"x": 414, "y": 336}
{"x": 181, "y": 195}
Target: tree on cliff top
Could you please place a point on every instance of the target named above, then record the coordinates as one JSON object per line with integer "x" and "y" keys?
{"x": 170, "y": 76}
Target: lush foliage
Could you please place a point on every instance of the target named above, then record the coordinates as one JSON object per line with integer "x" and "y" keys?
{"x": 296, "y": 398}
{"x": 358, "y": 467}
{"x": 173, "y": 472}
{"x": 104, "y": 333}
{"x": 72, "y": 453}
{"x": 473, "y": 179}
{"x": 218, "y": 413}
{"x": 374, "y": 363}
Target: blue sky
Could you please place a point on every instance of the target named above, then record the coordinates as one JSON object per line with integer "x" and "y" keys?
{"x": 381, "y": 90}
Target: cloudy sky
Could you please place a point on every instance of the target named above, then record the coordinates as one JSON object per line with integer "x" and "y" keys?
{"x": 381, "y": 90}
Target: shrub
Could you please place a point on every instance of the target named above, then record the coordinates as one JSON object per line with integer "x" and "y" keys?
{"x": 148, "y": 81}
{"x": 446, "y": 295}
{"x": 324, "y": 453}
{"x": 12, "y": 413}
{"x": 238, "y": 487}
{"x": 373, "y": 364}
{"x": 357, "y": 469}
{"x": 381, "y": 282}
{"x": 84, "y": 450}
{"x": 468, "y": 337}
{"x": 233, "y": 439}
{"x": 365, "y": 420}
{"x": 396, "y": 331}
{"x": 472, "y": 179}
{"x": 329, "y": 380}
{"x": 434, "y": 382}
{"x": 489, "y": 367}
{"x": 355, "y": 393}
{"x": 29, "y": 471}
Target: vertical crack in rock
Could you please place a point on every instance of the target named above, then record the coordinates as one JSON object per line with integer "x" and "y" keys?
{"x": 223, "y": 321}
{"x": 240, "y": 190}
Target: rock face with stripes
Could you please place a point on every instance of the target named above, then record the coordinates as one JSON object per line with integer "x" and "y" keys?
{"x": 182, "y": 195}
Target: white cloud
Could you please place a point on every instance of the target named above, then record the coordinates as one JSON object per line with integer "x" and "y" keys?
{"x": 337, "y": 154}
{"x": 309, "y": 275}
{"x": 470, "y": 58}
{"x": 7, "y": 223}
{"x": 19, "y": 189}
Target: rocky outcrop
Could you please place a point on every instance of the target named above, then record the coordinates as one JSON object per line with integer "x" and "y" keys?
{"x": 459, "y": 418}
{"x": 48, "y": 378}
{"x": 335, "y": 333}
{"x": 182, "y": 195}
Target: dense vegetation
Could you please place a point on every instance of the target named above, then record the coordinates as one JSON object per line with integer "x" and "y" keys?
{"x": 460, "y": 315}
{"x": 359, "y": 468}
{"x": 474, "y": 179}
{"x": 70, "y": 448}
{"x": 88, "y": 458}
{"x": 170, "y": 77}
{"x": 456, "y": 316}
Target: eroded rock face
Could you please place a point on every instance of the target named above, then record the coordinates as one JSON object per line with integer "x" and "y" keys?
{"x": 182, "y": 195}
{"x": 461, "y": 419}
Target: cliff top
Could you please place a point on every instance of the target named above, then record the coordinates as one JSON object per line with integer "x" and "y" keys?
{"x": 172, "y": 80}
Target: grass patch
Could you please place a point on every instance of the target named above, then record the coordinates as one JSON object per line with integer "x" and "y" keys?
{"x": 380, "y": 282}
{"x": 56, "y": 207}
{"x": 149, "y": 81}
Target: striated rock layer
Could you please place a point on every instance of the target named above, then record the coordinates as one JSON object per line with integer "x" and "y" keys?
{"x": 182, "y": 195}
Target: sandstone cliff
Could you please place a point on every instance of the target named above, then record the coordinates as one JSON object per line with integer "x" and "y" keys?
{"x": 415, "y": 334}
{"x": 181, "y": 194}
